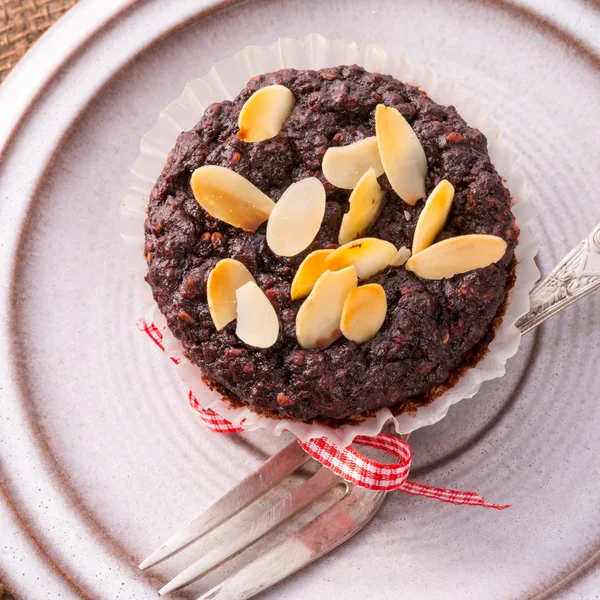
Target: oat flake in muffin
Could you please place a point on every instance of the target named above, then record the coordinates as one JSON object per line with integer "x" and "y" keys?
{"x": 433, "y": 329}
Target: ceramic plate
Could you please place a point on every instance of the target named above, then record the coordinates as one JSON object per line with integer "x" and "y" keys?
{"x": 102, "y": 457}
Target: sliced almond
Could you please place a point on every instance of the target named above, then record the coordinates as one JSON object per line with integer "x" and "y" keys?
{"x": 402, "y": 155}
{"x": 318, "y": 320}
{"x": 309, "y": 271}
{"x": 229, "y": 197}
{"x": 343, "y": 166}
{"x": 401, "y": 257}
{"x": 297, "y": 217}
{"x": 257, "y": 323}
{"x": 365, "y": 206}
{"x": 457, "y": 255}
{"x": 225, "y": 278}
{"x": 434, "y": 215}
{"x": 368, "y": 255}
{"x": 264, "y": 113}
{"x": 364, "y": 313}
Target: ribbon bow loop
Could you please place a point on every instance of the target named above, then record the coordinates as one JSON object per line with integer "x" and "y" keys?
{"x": 354, "y": 467}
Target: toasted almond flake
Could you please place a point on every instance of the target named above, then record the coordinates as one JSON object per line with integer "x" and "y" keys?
{"x": 318, "y": 320}
{"x": 364, "y": 313}
{"x": 264, "y": 113}
{"x": 407, "y": 215}
{"x": 225, "y": 278}
{"x": 229, "y": 197}
{"x": 309, "y": 271}
{"x": 434, "y": 215}
{"x": 365, "y": 206}
{"x": 402, "y": 155}
{"x": 457, "y": 255}
{"x": 257, "y": 323}
{"x": 297, "y": 217}
{"x": 368, "y": 255}
{"x": 401, "y": 257}
{"x": 343, "y": 166}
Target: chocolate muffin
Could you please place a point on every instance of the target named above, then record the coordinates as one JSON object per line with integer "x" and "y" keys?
{"x": 432, "y": 329}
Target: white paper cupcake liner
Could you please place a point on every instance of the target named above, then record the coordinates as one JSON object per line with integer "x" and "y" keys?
{"x": 223, "y": 82}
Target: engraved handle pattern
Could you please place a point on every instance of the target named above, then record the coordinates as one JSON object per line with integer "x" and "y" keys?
{"x": 575, "y": 276}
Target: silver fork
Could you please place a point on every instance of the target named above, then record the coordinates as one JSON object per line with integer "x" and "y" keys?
{"x": 575, "y": 276}
{"x": 331, "y": 528}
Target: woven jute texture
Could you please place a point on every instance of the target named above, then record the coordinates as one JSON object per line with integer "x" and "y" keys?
{"x": 21, "y": 24}
{"x": 4, "y": 593}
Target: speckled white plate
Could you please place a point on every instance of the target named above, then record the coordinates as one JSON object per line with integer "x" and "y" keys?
{"x": 101, "y": 456}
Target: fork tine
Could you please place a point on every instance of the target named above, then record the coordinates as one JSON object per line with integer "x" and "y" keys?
{"x": 330, "y": 529}
{"x": 310, "y": 490}
{"x": 247, "y": 491}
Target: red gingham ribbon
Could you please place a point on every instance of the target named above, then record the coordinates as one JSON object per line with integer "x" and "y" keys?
{"x": 155, "y": 334}
{"x": 356, "y": 468}
{"x": 212, "y": 420}
{"x": 348, "y": 463}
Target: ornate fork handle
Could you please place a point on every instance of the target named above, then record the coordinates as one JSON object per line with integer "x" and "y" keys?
{"x": 575, "y": 276}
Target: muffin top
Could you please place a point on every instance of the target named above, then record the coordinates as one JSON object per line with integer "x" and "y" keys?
{"x": 432, "y": 328}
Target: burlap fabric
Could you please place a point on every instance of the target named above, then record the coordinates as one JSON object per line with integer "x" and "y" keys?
{"x": 21, "y": 24}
